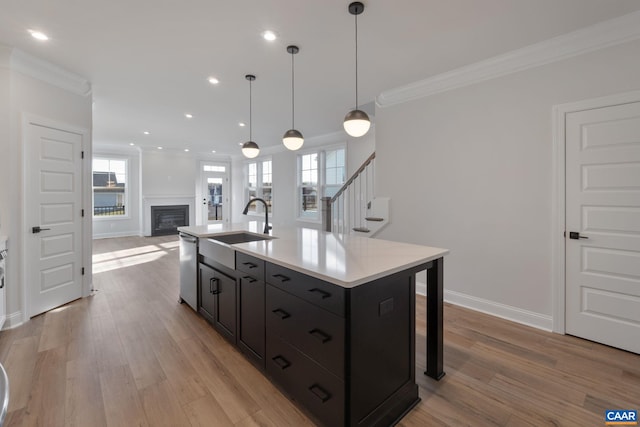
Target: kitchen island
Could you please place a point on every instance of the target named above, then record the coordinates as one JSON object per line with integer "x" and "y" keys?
{"x": 329, "y": 318}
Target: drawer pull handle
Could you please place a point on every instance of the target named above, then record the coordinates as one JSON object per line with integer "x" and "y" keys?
{"x": 320, "y": 393}
{"x": 281, "y": 277}
{"x": 320, "y": 335}
{"x": 322, "y": 293}
{"x": 281, "y": 313}
{"x": 249, "y": 279}
{"x": 249, "y": 264}
{"x": 281, "y": 362}
{"x": 216, "y": 290}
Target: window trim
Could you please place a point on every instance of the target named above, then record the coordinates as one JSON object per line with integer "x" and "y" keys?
{"x": 127, "y": 190}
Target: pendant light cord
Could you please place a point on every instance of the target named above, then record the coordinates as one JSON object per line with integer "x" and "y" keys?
{"x": 356, "y": 17}
{"x": 250, "y": 118}
{"x": 293, "y": 105}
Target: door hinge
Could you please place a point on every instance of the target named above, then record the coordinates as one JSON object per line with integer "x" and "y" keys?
{"x": 82, "y": 212}
{"x": 83, "y": 271}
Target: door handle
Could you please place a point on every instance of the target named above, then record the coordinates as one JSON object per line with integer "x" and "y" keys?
{"x": 576, "y": 235}
{"x": 37, "y": 229}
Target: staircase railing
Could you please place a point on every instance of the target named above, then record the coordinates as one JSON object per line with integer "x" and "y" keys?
{"x": 347, "y": 209}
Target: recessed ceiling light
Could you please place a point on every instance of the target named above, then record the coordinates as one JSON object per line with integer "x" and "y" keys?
{"x": 186, "y": 150}
{"x": 159, "y": 148}
{"x": 146, "y": 132}
{"x": 131, "y": 143}
{"x": 39, "y": 35}
{"x": 241, "y": 143}
{"x": 269, "y": 35}
{"x": 213, "y": 80}
{"x": 241, "y": 124}
{"x": 189, "y": 116}
{"x": 213, "y": 151}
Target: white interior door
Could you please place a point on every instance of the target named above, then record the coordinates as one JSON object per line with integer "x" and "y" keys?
{"x": 53, "y": 202}
{"x": 215, "y": 193}
{"x": 603, "y": 206}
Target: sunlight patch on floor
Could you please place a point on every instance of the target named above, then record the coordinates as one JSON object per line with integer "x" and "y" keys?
{"x": 129, "y": 257}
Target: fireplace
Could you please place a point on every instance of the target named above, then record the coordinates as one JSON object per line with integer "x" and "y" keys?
{"x": 167, "y": 219}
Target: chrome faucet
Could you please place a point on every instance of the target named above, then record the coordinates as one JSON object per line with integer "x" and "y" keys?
{"x": 267, "y": 227}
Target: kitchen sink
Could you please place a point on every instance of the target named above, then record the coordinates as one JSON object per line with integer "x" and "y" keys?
{"x": 241, "y": 237}
{"x": 217, "y": 247}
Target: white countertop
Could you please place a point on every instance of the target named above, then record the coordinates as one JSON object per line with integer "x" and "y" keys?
{"x": 343, "y": 259}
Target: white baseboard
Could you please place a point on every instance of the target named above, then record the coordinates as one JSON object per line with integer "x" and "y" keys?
{"x": 514, "y": 314}
{"x": 13, "y": 320}
{"x": 117, "y": 234}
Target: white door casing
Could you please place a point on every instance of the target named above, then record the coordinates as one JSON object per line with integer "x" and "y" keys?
{"x": 53, "y": 258}
{"x": 602, "y": 273}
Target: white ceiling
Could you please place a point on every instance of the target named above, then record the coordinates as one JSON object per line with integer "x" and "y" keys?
{"x": 148, "y": 60}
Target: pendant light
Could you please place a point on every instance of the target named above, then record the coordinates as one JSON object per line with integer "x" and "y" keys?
{"x": 250, "y": 149}
{"x": 292, "y": 138}
{"x": 356, "y": 122}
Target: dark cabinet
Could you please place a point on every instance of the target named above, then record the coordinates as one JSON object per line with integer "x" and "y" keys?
{"x": 251, "y": 307}
{"x": 218, "y": 300}
{"x": 346, "y": 354}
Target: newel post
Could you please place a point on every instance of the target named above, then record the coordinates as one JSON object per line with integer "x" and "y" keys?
{"x": 326, "y": 213}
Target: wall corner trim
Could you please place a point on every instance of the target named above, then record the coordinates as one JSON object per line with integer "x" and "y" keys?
{"x": 598, "y": 36}
{"x": 40, "y": 69}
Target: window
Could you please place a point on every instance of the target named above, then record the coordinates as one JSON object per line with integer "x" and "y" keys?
{"x": 320, "y": 174}
{"x": 214, "y": 168}
{"x": 309, "y": 184}
{"x": 335, "y": 171}
{"x": 259, "y": 184}
{"x": 109, "y": 187}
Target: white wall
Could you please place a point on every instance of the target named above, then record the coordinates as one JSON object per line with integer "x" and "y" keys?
{"x": 22, "y": 94}
{"x": 471, "y": 170}
{"x": 131, "y": 225}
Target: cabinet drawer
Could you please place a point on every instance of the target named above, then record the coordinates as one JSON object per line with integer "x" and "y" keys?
{"x": 250, "y": 265}
{"x": 323, "y": 294}
{"x": 322, "y": 393}
{"x": 315, "y": 332}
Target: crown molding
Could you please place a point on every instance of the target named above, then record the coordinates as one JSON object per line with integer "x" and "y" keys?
{"x": 39, "y": 69}
{"x": 601, "y": 35}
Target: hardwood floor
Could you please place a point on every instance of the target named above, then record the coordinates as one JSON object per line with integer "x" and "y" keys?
{"x": 130, "y": 355}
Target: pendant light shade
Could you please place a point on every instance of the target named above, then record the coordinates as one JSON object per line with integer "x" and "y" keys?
{"x": 356, "y": 122}
{"x": 250, "y": 149}
{"x": 292, "y": 139}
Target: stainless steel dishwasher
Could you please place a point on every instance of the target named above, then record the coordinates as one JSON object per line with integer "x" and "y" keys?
{"x": 189, "y": 270}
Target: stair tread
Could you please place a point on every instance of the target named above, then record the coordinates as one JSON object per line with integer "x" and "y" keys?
{"x": 374, "y": 218}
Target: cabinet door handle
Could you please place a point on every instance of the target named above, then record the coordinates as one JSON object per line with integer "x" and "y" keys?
{"x": 249, "y": 264}
{"x": 320, "y": 393}
{"x": 281, "y": 362}
{"x": 281, "y": 277}
{"x": 216, "y": 290}
{"x": 281, "y": 313}
{"x": 320, "y": 335}
{"x": 322, "y": 293}
{"x": 249, "y": 279}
